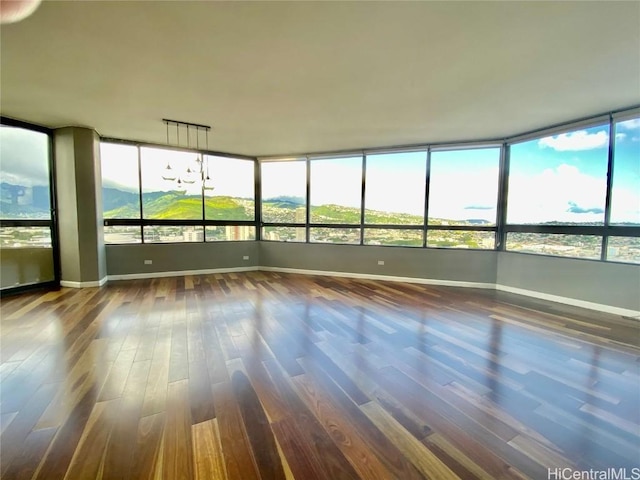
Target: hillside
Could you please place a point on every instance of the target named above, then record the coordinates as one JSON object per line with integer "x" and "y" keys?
{"x": 173, "y": 205}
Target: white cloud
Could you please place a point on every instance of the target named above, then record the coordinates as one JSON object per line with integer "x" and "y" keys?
{"x": 621, "y": 136}
{"x": 633, "y": 124}
{"x": 24, "y": 157}
{"x": 575, "y": 141}
{"x": 555, "y": 195}
{"x": 452, "y": 193}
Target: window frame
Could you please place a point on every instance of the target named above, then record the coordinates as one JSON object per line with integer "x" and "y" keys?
{"x": 500, "y": 229}
{"x": 202, "y": 222}
{"x": 606, "y": 230}
{"x": 51, "y": 223}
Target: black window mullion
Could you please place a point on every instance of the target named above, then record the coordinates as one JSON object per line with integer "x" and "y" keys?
{"x": 607, "y": 200}
{"x": 53, "y": 205}
{"x": 257, "y": 203}
{"x": 503, "y": 191}
{"x": 427, "y": 185}
{"x": 363, "y": 190}
{"x": 140, "y": 192}
{"x": 307, "y": 218}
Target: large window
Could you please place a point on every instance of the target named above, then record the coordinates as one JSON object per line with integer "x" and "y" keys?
{"x": 572, "y": 192}
{"x": 230, "y": 189}
{"x": 120, "y": 181}
{"x": 625, "y": 194}
{"x": 463, "y": 187}
{"x": 284, "y": 187}
{"x": 180, "y": 197}
{"x": 558, "y": 190}
{"x": 395, "y": 188}
{"x": 463, "y": 192}
{"x": 336, "y": 186}
{"x": 120, "y": 191}
{"x": 26, "y": 226}
{"x": 335, "y": 198}
{"x": 559, "y": 179}
{"x": 284, "y": 200}
{"x": 185, "y": 196}
{"x": 25, "y": 174}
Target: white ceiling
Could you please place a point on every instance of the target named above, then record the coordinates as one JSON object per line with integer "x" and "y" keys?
{"x": 296, "y": 77}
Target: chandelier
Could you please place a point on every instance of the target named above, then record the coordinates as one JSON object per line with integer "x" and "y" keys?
{"x": 196, "y": 171}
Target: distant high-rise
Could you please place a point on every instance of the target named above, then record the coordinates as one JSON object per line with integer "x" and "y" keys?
{"x": 189, "y": 234}
{"x": 301, "y": 217}
{"x": 238, "y": 232}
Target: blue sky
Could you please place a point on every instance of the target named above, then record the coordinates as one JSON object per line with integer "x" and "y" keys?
{"x": 563, "y": 177}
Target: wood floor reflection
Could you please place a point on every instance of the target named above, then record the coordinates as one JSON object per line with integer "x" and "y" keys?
{"x": 273, "y": 376}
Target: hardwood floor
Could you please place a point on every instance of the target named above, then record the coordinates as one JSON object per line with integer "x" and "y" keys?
{"x": 273, "y": 376}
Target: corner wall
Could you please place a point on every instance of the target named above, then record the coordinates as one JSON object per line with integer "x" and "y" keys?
{"x": 604, "y": 283}
{"x": 128, "y": 261}
{"x": 456, "y": 266}
{"x": 611, "y": 287}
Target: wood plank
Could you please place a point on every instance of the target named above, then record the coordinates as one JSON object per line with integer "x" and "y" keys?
{"x": 239, "y": 460}
{"x": 343, "y": 432}
{"x": 147, "y": 458}
{"x": 265, "y": 450}
{"x": 422, "y": 458}
{"x": 121, "y": 446}
{"x": 177, "y": 462}
{"x": 208, "y": 458}
{"x": 88, "y": 458}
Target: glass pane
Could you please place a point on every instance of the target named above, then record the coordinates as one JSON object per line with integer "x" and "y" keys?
{"x": 463, "y": 187}
{"x": 167, "y": 191}
{"x": 224, "y": 233}
{"x": 336, "y": 190}
{"x": 284, "y": 187}
{"x": 335, "y": 235}
{"x": 120, "y": 181}
{"x": 122, "y": 234}
{"x": 230, "y": 190}
{"x": 560, "y": 179}
{"x": 392, "y": 236}
{"x": 18, "y": 237}
{"x": 395, "y": 188}
{"x": 24, "y": 169}
{"x": 26, "y": 256}
{"x": 624, "y": 249}
{"x": 284, "y": 234}
{"x": 173, "y": 234}
{"x": 461, "y": 239}
{"x": 625, "y": 195}
{"x": 580, "y": 246}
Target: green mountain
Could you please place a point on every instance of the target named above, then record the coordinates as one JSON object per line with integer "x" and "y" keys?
{"x": 174, "y": 205}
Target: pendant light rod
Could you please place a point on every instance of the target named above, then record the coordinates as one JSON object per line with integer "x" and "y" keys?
{"x": 186, "y": 124}
{"x": 201, "y": 170}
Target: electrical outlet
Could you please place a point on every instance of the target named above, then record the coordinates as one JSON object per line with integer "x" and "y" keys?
{"x": 245, "y": 257}
{"x": 148, "y": 262}
{"x": 380, "y": 262}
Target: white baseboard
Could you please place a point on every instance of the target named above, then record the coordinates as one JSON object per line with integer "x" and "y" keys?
{"x": 366, "y": 276}
{"x": 455, "y": 283}
{"x": 388, "y": 278}
{"x": 178, "y": 273}
{"x": 571, "y": 301}
{"x": 70, "y": 284}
